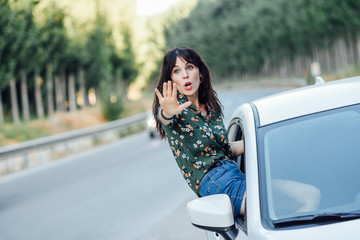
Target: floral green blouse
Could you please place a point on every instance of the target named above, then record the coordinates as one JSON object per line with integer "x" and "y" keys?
{"x": 196, "y": 142}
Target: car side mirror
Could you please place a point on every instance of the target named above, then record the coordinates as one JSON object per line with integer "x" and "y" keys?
{"x": 213, "y": 213}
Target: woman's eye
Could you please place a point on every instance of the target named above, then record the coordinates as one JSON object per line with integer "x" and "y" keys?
{"x": 176, "y": 71}
{"x": 190, "y": 67}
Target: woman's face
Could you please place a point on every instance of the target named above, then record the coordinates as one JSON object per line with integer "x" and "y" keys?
{"x": 187, "y": 77}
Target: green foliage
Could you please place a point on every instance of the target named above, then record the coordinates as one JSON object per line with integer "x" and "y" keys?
{"x": 98, "y": 54}
{"x": 234, "y": 36}
{"x": 52, "y": 38}
{"x": 127, "y": 60}
{"x": 35, "y": 34}
{"x": 111, "y": 108}
{"x": 27, "y": 55}
{"x": 5, "y": 19}
{"x": 12, "y": 37}
{"x": 239, "y": 36}
{"x": 310, "y": 79}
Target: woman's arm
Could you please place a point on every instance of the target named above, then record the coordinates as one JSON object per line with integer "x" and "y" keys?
{"x": 237, "y": 148}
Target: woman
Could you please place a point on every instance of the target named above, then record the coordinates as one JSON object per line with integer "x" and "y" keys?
{"x": 188, "y": 112}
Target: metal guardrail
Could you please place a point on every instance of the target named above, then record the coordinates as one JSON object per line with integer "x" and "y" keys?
{"x": 27, "y": 146}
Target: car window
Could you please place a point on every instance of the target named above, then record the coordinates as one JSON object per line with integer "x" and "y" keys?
{"x": 320, "y": 152}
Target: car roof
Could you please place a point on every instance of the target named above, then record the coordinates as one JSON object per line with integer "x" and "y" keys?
{"x": 307, "y": 100}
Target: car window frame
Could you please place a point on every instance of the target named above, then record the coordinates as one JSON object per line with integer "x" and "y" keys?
{"x": 235, "y": 133}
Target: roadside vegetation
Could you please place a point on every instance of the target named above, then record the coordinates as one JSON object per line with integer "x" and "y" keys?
{"x": 71, "y": 64}
{"x": 11, "y": 133}
{"x": 260, "y": 39}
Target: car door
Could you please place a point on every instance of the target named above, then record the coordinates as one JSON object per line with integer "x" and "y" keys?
{"x": 236, "y": 133}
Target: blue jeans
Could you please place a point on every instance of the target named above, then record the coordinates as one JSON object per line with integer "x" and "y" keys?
{"x": 225, "y": 178}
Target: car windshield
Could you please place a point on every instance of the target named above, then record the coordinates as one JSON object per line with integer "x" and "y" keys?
{"x": 310, "y": 165}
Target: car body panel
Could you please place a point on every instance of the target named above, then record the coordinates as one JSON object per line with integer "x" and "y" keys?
{"x": 307, "y": 100}
{"x": 344, "y": 230}
{"x": 276, "y": 108}
{"x": 246, "y": 114}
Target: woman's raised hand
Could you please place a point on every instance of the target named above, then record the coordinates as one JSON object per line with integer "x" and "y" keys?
{"x": 168, "y": 100}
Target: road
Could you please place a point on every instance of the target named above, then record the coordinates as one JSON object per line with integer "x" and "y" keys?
{"x": 129, "y": 189}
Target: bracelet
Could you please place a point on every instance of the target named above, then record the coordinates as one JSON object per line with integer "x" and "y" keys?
{"x": 162, "y": 115}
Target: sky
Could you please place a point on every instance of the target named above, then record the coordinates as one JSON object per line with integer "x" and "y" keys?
{"x": 150, "y": 7}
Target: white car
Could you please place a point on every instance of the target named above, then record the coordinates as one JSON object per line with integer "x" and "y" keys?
{"x": 151, "y": 126}
{"x": 302, "y": 167}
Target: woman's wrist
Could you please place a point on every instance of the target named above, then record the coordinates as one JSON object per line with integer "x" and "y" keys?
{"x": 165, "y": 117}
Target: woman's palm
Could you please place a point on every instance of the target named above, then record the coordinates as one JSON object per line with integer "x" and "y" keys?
{"x": 168, "y": 100}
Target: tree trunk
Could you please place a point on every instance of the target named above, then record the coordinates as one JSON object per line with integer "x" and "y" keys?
{"x": 327, "y": 57}
{"x": 49, "y": 88}
{"x": 342, "y": 57}
{"x": 58, "y": 94}
{"x": 38, "y": 97}
{"x": 83, "y": 95}
{"x": 63, "y": 89}
{"x": 354, "y": 50}
{"x": 98, "y": 96}
{"x": 121, "y": 89}
{"x": 14, "y": 102}
{"x": 24, "y": 97}
{"x": 1, "y": 109}
{"x": 358, "y": 48}
{"x": 71, "y": 93}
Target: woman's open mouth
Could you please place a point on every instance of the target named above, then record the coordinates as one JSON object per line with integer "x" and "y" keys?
{"x": 188, "y": 86}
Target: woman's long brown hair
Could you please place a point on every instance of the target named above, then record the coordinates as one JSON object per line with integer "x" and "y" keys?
{"x": 207, "y": 95}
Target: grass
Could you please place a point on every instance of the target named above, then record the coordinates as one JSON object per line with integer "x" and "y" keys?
{"x": 350, "y": 71}
{"x": 10, "y": 133}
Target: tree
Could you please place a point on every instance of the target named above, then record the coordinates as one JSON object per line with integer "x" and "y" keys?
{"x": 53, "y": 42}
{"x": 6, "y": 16}
{"x": 125, "y": 63}
{"x": 13, "y": 37}
{"x": 98, "y": 71}
{"x": 27, "y": 59}
{"x": 247, "y": 36}
{"x": 75, "y": 57}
